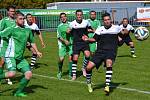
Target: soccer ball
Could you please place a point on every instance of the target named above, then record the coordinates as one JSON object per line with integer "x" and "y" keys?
{"x": 141, "y": 33}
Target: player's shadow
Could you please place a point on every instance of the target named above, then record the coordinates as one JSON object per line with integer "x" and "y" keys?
{"x": 113, "y": 86}
{"x": 128, "y": 56}
{"x": 79, "y": 73}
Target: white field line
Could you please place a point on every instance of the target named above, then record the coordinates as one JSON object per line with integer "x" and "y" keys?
{"x": 82, "y": 82}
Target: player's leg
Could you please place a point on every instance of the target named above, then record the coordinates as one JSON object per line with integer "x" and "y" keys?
{"x": 74, "y": 66}
{"x": 85, "y": 62}
{"x": 33, "y": 58}
{"x": 109, "y": 72}
{"x": 70, "y": 61}
{"x": 11, "y": 67}
{"x": 130, "y": 43}
{"x": 62, "y": 53}
{"x": 24, "y": 67}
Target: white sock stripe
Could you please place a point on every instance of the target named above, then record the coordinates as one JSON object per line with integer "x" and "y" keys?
{"x": 74, "y": 68}
{"x": 74, "y": 64}
{"x": 108, "y": 80}
{"x": 109, "y": 72}
{"x": 107, "y": 84}
{"x": 33, "y": 59}
{"x": 109, "y": 76}
{"x": 74, "y": 71}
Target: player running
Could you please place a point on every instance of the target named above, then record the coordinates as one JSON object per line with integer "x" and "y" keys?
{"x": 5, "y": 23}
{"x": 79, "y": 28}
{"x": 126, "y": 38}
{"x": 35, "y": 30}
{"x": 14, "y": 54}
{"x": 107, "y": 42}
{"x": 64, "y": 44}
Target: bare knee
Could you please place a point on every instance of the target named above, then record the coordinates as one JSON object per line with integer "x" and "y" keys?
{"x": 10, "y": 74}
{"x": 90, "y": 66}
{"x": 28, "y": 75}
{"x": 131, "y": 44}
{"x": 109, "y": 63}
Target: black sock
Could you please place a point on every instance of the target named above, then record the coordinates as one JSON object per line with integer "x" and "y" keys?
{"x": 74, "y": 68}
{"x": 33, "y": 60}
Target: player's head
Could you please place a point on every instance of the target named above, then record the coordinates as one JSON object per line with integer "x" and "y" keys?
{"x": 63, "y": 17}
{"x": 11, "y": 10}
{"x": 106, "y": 19}
{"x": 29, "y": 18}
{"x": 125, "y": 21}
{"x": 79, "y": 15}
{"x": 20, "y": 19}
{"x": 92, "y": 15}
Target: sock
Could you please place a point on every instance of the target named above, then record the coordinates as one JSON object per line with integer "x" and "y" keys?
{"x": 88, "y": 76}
{"x": 132, "y": 50}
{"x": 74, "y": 68}
{"x": 1, "y": 70}
{"x": 70, "y": 68}
{"x": 33, "y": 60}
{"x": 23, "y": 83}
{"x": 108, "y": 75}
{"x": 85, "y": 62}
{"x": 60, "y": 64}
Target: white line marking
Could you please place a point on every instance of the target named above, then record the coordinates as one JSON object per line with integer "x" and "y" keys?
{"x": 82, "y": 82}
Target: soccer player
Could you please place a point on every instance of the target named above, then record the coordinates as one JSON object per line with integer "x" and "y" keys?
{"x": 5, "y": 23}
{"x": 126, "y": 38}
{"x": 64, "y": 44}
{"x": 14, "y": 54}
{"x": 107, "y": 42}
{"x": 94, "y": 24}
{"x": 79, "y": 28}
{"x": 35, "y": 30}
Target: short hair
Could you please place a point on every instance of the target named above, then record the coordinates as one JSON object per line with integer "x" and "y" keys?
{"x": 92, "y": 11}
{"x": 104, "y": 15}
{"x": 126, "y": 19}
{"x": 11, "y": 7}
{"x": 19, "y": 14}
{"x": 28, "y": 14}
{"x": 79, "y": 10}
{"x": 62, "y": 14}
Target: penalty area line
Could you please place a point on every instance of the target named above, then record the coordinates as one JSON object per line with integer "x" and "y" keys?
{"x": 82, "y": 82}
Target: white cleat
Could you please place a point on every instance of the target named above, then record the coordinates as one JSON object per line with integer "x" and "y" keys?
{"x": 90, "y": 89}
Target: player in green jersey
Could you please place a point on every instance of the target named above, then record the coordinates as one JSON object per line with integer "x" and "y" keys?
{"x": 14, "y": 54}
{"x": 64, "y": 44}
{"x": 94, "y": 24}
{"x": 5, "y": 23}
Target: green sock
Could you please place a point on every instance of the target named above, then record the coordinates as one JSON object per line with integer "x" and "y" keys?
{"x": 23, "y": 83}
{"x": 1, "y": 70}
{"x": 70, "y": 68}
{"x": 60, "y": 64}
{"x": 2, "y": 75}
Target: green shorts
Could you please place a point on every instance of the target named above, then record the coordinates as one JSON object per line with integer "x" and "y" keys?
{"x": 21, "y": 65}
{"x": 92, "y": 45}
{"x": 64, "y": 50}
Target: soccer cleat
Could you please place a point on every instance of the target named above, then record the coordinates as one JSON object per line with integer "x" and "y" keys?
{"x": 9, "y": 82}
{"x": 84, "y": 72}
{"x": 74, "y": 78}
{"x": 20, "y": 95}
{"x": 133, "y": 56}
{"x": 59, "y": 75}
{"x": 107, "y": 89}
{"x": 90, "y": 89}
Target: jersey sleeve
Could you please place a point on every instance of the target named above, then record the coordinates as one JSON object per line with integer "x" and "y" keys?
{"x": 97, "y": 33}
{"x": 31, "y": 37}
{"x": 58, "y": 32}
{"x": 70, "y": 25}
{"x": 36, "y": 27}
{"x": 6, "y": 32}
{"x": 2, "y": 25}
{"x": 132, "y": 29}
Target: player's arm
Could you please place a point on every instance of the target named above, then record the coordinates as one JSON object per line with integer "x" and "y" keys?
{"x": 59, "y": 37}
{"x": 31, "y": 40}
{"x": 6, "y": 32}
{"x": 132, "y": 29}
{"x": 89, "y": 28}
{"x": 2, "y": 25}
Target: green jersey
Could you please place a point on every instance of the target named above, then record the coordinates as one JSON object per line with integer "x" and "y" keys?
{"x": 94, "y": 24}
{"x": 17, "y": 44}
{"x": 62, "y": 33}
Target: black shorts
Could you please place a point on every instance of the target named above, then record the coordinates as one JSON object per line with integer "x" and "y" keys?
{"x": 77, "y": 47}
{"x": 102, "y": 56}
{"x": 126, "y": 39}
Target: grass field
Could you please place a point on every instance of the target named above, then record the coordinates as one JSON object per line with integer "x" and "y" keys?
{"x": 131, "y": 77}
